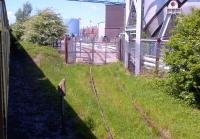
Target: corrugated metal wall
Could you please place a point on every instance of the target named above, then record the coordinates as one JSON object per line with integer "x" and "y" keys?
{"x": 4, "y": 68}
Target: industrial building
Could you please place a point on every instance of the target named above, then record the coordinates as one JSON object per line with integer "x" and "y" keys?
{"x": 114, "y": 24}
{"x": 155, "y": 18}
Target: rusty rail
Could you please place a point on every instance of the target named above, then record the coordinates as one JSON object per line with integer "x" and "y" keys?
{"x": 100, "y": 107}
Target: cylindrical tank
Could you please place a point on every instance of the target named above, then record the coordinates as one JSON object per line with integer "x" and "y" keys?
{"x": 73, "y": 25}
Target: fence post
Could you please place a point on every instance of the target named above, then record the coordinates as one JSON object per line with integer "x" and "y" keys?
{"x": 157, "y": 55}
{"x": 66, "y": 49}
{"x": 92, "y": 51}
{"x": 80, "y": 47}
{"x": 106, "y": 51}
{"x": 61, "y": 90}
{"x": 120, "y": 50}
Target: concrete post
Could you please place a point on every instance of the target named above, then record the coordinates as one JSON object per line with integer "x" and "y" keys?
{"x": 138, "y": 38}
{"x": 126, "y": 37}
{"x": 126, "y": 46}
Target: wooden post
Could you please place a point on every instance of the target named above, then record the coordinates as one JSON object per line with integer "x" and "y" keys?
{"x": 157, "y": 55}
{"x": 66, "y": 48}
{"x": 61, "y": 90}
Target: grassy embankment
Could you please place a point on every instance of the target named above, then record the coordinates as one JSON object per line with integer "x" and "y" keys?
{"x": 125, "y": 122}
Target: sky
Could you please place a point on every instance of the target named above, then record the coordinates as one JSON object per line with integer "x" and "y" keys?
{"x": 89, "y": 13}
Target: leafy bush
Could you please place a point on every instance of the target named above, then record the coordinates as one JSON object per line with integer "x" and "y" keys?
{"x": 184, "y": 59}
{"x": 18, "y": 29}
{"x": 44, "y": 27}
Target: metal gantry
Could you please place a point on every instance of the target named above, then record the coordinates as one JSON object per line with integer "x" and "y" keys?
{"x": 134, "y": 27}
{"x": 109, "y": 2}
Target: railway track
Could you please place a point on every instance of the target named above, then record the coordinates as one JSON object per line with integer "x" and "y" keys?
{"x": 163, "y": 133}
{"x": 94, "y": 90}
{"x": 105, "y": 123}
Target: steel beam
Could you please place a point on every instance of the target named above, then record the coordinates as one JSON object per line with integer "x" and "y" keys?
{"x": 138, "y": 37}
{"x": 110, "y": 2}
{"x": 126, "y": 37}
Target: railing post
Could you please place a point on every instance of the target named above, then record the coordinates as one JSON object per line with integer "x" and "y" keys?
{"x": 106, "y": 52}
{"x": 80, "y": 47}
{"x": 157, "y": 55}
{"x": 92, "y": 51}
{"x": 66, "y": 48}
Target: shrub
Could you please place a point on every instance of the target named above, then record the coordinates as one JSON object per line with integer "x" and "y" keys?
{"x": 18, "y": 29}
{"x": 44, "y": 27}
{"x": 184, "y": 59}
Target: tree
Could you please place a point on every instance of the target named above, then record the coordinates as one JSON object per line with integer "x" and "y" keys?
{"x": 18, "y": 29}
{"x": 184, "y": 59}
{"x": 44, "y": 27}
{"x": 24, "y": 14}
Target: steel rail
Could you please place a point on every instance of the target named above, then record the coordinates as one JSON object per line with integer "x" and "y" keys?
{"x": 100, "y": 107}
{"x": 94, "y": 90}
{"x": 146, "y": 118}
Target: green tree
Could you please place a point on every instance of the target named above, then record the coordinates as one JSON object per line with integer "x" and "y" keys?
{"x": 45, "y": 26}
{"x": 24, "y": 14}
{"x": 18, "y": 29}
{"x": 21, "y": 16}
{"x": 184, "y": 58}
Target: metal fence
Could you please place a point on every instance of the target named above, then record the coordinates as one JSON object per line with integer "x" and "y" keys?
{"x": 4, "y": 68}
{"x": 90, "y": 52}
{"x": 151, "y": 55}
{"x": 152, "y": 52}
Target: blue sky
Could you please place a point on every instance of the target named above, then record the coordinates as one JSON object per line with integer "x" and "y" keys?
{"x": 86, "y": 11}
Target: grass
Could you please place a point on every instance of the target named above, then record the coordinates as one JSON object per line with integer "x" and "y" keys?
{"x": 125, "y": 122}
{"x": 179, "y": 119}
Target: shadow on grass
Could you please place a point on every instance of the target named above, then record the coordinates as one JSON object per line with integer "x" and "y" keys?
{"x": 34, "y": 104}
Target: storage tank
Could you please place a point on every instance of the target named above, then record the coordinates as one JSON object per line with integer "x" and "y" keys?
{"x": 73, "y": 25}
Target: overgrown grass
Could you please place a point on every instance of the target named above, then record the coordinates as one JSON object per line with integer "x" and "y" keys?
{"x": 125, "y": 122}
{"x": 179, "y": 119}
{"x": 78, "y": 94}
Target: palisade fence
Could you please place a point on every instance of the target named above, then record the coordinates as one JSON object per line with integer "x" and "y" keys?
{"x": 151, "y": 55}
{"x": 77, "y": 50}
{"x": 4, "y": 68}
